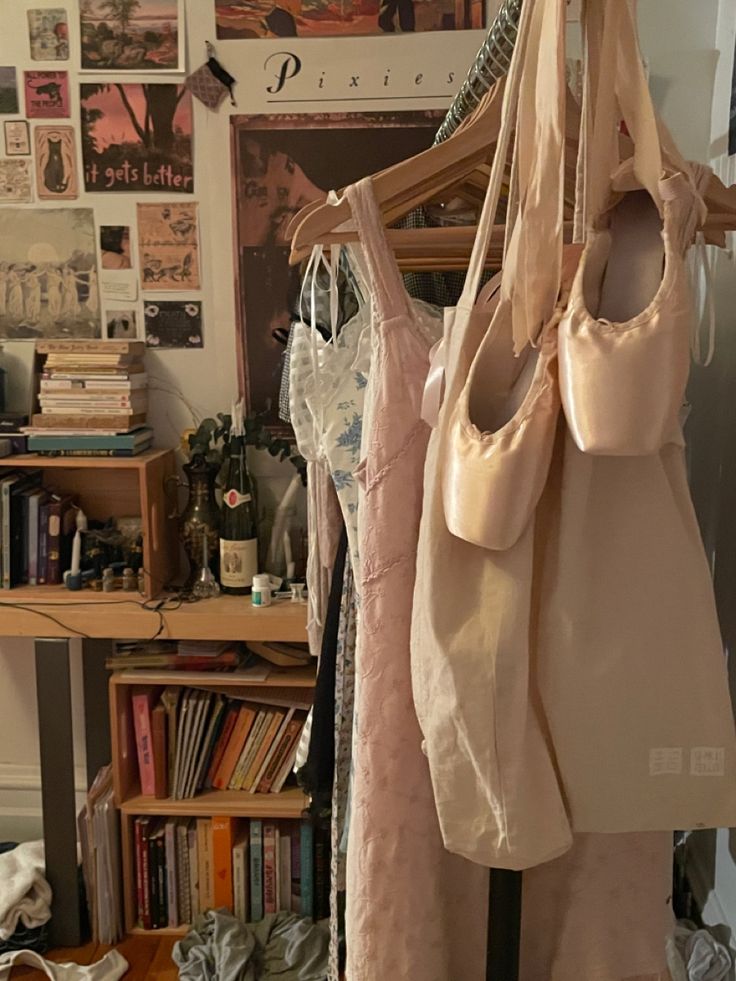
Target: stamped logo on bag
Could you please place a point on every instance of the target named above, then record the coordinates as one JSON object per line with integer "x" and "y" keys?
{"x": 665, "y": 760}
{"x": 707, "y": 761}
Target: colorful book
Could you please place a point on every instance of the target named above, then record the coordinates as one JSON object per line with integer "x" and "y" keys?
{"x": 118, "y": 421}
{"x": 223, "y": 833}
{"x": 193, "y": 857}
{"x": 273, "y": 738}
{"x": 91, "y": 348}
{"x": 204, "y": 855}
{"x": 256, "y": 870}
{"x": 288, "y": 765}
{"x": 143, "y": 884}
{"x": 160, "y": 758}
{"x": 117, "y": 454}
{"x": 223, "y": 738}
{"x": 284, "y": 871}
{"x": 307, "y": 869}
{"x": 250, "y": 749}
{"x": 127, "y": 441}
{"x": 246, "y": 717}
{"x": 289, "y": 738}
{"x": 241, "y": 876}
{"x": 214, "y": 722}
{"x": 170, "y": 702}
{"x": 275, "y": 718}
{"x": 270, "y": 868}
{"x": 172, "y": 875}
{"x": 182, "y": 864}
{"x": 142, "y": 723}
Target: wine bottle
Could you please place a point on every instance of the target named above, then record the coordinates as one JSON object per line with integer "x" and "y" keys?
{"x": 238, "y": 531}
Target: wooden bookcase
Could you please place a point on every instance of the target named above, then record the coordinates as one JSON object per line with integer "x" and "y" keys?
{"x": 117, "y": 487}
{"x": 290, "y": 803}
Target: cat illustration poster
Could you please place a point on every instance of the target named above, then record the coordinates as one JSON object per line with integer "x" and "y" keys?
{"x": 174, "y": 323}
{"x": 48, "y": 34}
{"x": 137, "y": 137}
{"x": 48, "y": 273}
{"x": 56, "y": 163}
{"x": 8, "y": 90}
{"x": 15, "y": 181}
{"x": 168, "y": 246}
{"x": 47, "y": 95}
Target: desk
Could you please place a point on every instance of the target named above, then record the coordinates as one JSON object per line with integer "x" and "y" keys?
{"x": 52, "y": 617}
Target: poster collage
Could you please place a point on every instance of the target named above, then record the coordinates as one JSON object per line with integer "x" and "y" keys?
{"x": 119, "y": 119}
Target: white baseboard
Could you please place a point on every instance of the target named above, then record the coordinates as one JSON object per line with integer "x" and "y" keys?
{"x": 21, "y": 815}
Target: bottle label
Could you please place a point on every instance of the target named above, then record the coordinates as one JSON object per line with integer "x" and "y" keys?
{"x": 238, "y": 562}
{"x": 234, "y": 498}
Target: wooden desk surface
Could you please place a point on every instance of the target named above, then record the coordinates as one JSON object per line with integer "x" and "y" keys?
{"x": 48, "y": 611}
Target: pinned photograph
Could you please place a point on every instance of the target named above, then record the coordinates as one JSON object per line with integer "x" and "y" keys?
{"x": 115, "y": 246}
{"x": 15, "y": 181}
{"x": 137, "y": 137}
{"x": 56, "y": 163}
{"x": 173, "y": 323}
{"x": 47, "y": 95}
{"x": 48, "y": 33}
{"x": 48, "y": 273}
{"x": 168, "y": 246}
{"x": 8, "y": 90}
{"x": 132, "y": 35}
{"x": 17, "y": 138}
{"x": 121, "y": 325}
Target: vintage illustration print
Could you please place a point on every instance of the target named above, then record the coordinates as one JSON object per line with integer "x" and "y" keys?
{"x": 137, "y": 137}
{"x": 121, "y": 325}
{"x": 281, "y": 164}
{"x": 47, "y": 95}
{"x": 115, "y": 246}
{"x": 15, "y": 181}
{"x": 323, "y": 18}
{"x": 173, "y": 323}
{"x": 48, "y": 33}
{"x": 8, "y": 90}
{"x": 17, "y": 138}
{"x": 56, "y": 163}
{"x": 48, "y": 273}
{"x": 168, "y": 246}
{"x": 132, "y": 35}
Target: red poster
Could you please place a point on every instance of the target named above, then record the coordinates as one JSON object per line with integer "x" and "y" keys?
{"x": 47, "y": 95}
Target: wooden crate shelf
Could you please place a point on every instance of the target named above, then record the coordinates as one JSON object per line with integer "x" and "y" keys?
{"x": 224, "y": 803}
{"x": 117, "y": 487}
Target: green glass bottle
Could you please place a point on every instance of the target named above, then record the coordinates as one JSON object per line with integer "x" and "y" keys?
{"x": 238, "y": 528}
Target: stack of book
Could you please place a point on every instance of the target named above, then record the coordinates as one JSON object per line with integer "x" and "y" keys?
{"x": 36, "y": 531}
{"x": 189, "y": 740}
{"x": 99, "y": 836}
{"x": 185, "y": 866}
{"x": 92, "y": 388}
{"x": 167, "y": 655}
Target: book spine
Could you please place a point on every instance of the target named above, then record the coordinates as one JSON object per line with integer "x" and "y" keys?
{"x": 153, "y": 882}
{"x": 43, "y": 544}
{"x": 182, "y": 867}
{"x": 270, "y": 869}
{"x": 145, "y": 861}
{"x": 256, "y": 870}
{"x": 158, "y": 746}
{"x": 140, "y": 873}
{"x": 204, "y": 849}
{"x": 296, "y": 871}
{"x": 222, "y": 862}
{"x": 278, "y": 759}
{"x": 193, "y": 854}
{"x": 239, "y": 883}
{"x": 6, "y": 536}
{"x": 172, "y": 878}
{"x": 222, "y": 742}
{"x": 307, "y": 870}
{"x": 144, "y": 743}
{"x": 93, "y": 453}
{"x": 321, "y": 874}
{"x": 284, "y": 873}
{"x": 163, "y": 909}
{"x": 34, "y": 508}
{"x": 53, "y": 569}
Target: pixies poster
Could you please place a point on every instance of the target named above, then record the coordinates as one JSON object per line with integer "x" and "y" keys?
{"x": 137, "y": 137}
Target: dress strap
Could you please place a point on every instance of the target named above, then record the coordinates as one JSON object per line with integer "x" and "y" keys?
{"x": 386, "y": 282}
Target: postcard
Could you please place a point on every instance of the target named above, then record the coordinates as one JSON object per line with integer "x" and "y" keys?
{"x": 173, "y": 323}
{"x": 138, "y": 36}
{"x": 47, "y": 95}
{"x": 48, "y": 33}
{"x": 168, "y": 246}
{"x": 17, "y": 138}
{"x": 15, "y": 181}
{"x": 56, "y": 163}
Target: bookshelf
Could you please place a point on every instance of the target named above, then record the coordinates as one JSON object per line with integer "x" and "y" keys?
{"x": 288, "y": 804}
{"x": 112, "y": 487}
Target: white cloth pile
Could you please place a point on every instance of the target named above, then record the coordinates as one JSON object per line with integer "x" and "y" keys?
{"x": 111, "y": 968}
{"x": 694, "y": 955}
{"x": 25, "y": 895}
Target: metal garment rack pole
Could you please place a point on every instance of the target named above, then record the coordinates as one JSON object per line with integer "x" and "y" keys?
{"x": 504, "y": 894}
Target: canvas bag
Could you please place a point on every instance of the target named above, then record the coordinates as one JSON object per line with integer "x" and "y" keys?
{"x": 493, "y": 775}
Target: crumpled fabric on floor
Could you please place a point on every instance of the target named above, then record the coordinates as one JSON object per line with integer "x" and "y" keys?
{"x": 25, "y": 895}
{"x": 280, "y": 947}
{"x": 695, "y": 955}
{"x": 111, "y": 968}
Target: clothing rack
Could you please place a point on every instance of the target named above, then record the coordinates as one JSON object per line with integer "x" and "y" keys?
{"x": 504, "y": 891}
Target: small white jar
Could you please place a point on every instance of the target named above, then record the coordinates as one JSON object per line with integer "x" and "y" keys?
{"x": 261, "y": 592}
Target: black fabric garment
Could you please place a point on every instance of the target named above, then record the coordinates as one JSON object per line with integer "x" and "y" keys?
{"x": 317, "y": 775}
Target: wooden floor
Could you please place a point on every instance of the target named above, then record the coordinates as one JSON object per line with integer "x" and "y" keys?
{"x": 149, "y": 957}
